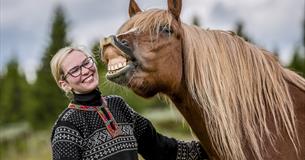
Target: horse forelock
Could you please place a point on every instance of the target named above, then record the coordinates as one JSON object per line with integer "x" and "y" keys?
{"x": 148, "y": 21}
{"x": 237, "y": 85}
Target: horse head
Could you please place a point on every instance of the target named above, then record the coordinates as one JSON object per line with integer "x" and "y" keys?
{"x": 145, "y": 55}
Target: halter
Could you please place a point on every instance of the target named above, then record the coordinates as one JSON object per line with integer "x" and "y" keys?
{"x": 104, "y": 114}
{"x": 113, "y": 40}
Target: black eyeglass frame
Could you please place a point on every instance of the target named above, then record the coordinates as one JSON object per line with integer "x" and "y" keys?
{"x": 91, "y": 61}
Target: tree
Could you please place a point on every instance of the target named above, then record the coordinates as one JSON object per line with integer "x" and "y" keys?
{"x": 50, "y": 99}
{"x": 240, "y": 31}
{"x": 196, "y": 21}
{"x": 12, "y": 98}
{"x": 298, "y": 60}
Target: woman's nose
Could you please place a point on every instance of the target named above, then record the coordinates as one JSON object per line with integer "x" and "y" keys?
{"x": 85, "y": 71}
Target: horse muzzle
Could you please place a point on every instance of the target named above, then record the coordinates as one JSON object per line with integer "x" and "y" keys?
{"x": 119, "y": 58}
{"x": 121, "y": 45}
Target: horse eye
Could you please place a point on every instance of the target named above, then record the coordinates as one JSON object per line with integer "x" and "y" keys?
{"x": 166, "y": 29}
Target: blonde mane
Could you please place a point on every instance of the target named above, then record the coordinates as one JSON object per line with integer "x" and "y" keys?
{"x": 236, "y": 84}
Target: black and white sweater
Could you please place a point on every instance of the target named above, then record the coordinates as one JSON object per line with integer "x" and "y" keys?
{"x": 82, "y": 135}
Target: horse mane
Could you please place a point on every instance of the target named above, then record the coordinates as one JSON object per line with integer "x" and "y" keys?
{"x": 242, "y": 85}
{"x": 236, "y": 84}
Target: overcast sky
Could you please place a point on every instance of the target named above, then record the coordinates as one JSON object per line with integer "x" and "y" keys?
{"x": 25, "y": 24}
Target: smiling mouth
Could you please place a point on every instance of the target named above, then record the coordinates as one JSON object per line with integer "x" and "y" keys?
{"x": 89, "y": 77}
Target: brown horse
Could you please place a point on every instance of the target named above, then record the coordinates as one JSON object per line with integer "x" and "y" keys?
{"x": 240, "y": 102}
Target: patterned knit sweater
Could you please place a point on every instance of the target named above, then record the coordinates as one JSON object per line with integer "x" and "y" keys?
{"x": 79, "y": 134}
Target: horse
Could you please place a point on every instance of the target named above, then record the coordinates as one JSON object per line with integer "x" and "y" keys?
{"x": 238, "y": 99}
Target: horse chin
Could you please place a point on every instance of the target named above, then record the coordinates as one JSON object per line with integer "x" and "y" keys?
{"x": 142, "y": 90}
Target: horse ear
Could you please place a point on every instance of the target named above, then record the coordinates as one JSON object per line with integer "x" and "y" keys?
{"x": 133, "y": 8}
{"x": 174, "y": 7}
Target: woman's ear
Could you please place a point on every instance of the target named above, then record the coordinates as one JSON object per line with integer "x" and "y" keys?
{"x": 64, "y": 85}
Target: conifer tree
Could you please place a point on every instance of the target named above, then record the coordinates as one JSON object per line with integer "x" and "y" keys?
{"x": 240, "y": 31}
{"x": 196, "y": 21}
{"x": 50, "y": 99}
{"x": 298, "y": 60}
{"x": 12, "y": 97}
{"x": 297, "y": 63}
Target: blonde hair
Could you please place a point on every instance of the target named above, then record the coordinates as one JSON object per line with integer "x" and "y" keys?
{"x": 60, "y": 55}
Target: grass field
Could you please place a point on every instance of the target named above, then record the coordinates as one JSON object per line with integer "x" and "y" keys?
{"x": 36, "y": 146}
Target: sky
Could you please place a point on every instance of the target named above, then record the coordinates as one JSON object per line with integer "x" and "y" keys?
{"x": 25, "y": 24}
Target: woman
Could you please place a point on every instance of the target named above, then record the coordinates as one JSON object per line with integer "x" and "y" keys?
{"x": 104, "y": 127}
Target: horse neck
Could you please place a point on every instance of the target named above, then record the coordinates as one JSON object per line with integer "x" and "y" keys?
{"x": 193, "y": 115}
{"x": 190, "y": 111}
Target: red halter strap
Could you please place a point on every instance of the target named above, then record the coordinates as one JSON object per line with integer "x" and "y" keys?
{"x": 104, "y": 113}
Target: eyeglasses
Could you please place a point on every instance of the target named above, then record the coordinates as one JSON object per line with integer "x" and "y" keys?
{"x": 77, "y": 70}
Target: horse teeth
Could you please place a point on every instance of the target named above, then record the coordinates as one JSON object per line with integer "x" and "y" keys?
{"x": 116, "y": 67}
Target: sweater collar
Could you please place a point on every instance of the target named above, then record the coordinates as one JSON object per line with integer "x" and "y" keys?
{"x": 92, "y": 98}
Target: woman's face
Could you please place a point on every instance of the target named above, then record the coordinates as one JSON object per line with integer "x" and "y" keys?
{"x": 80, "y": 73}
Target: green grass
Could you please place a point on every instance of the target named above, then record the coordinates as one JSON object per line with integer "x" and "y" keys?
{"x": 36, "y": 146}
{"x": 170, "y": 123}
